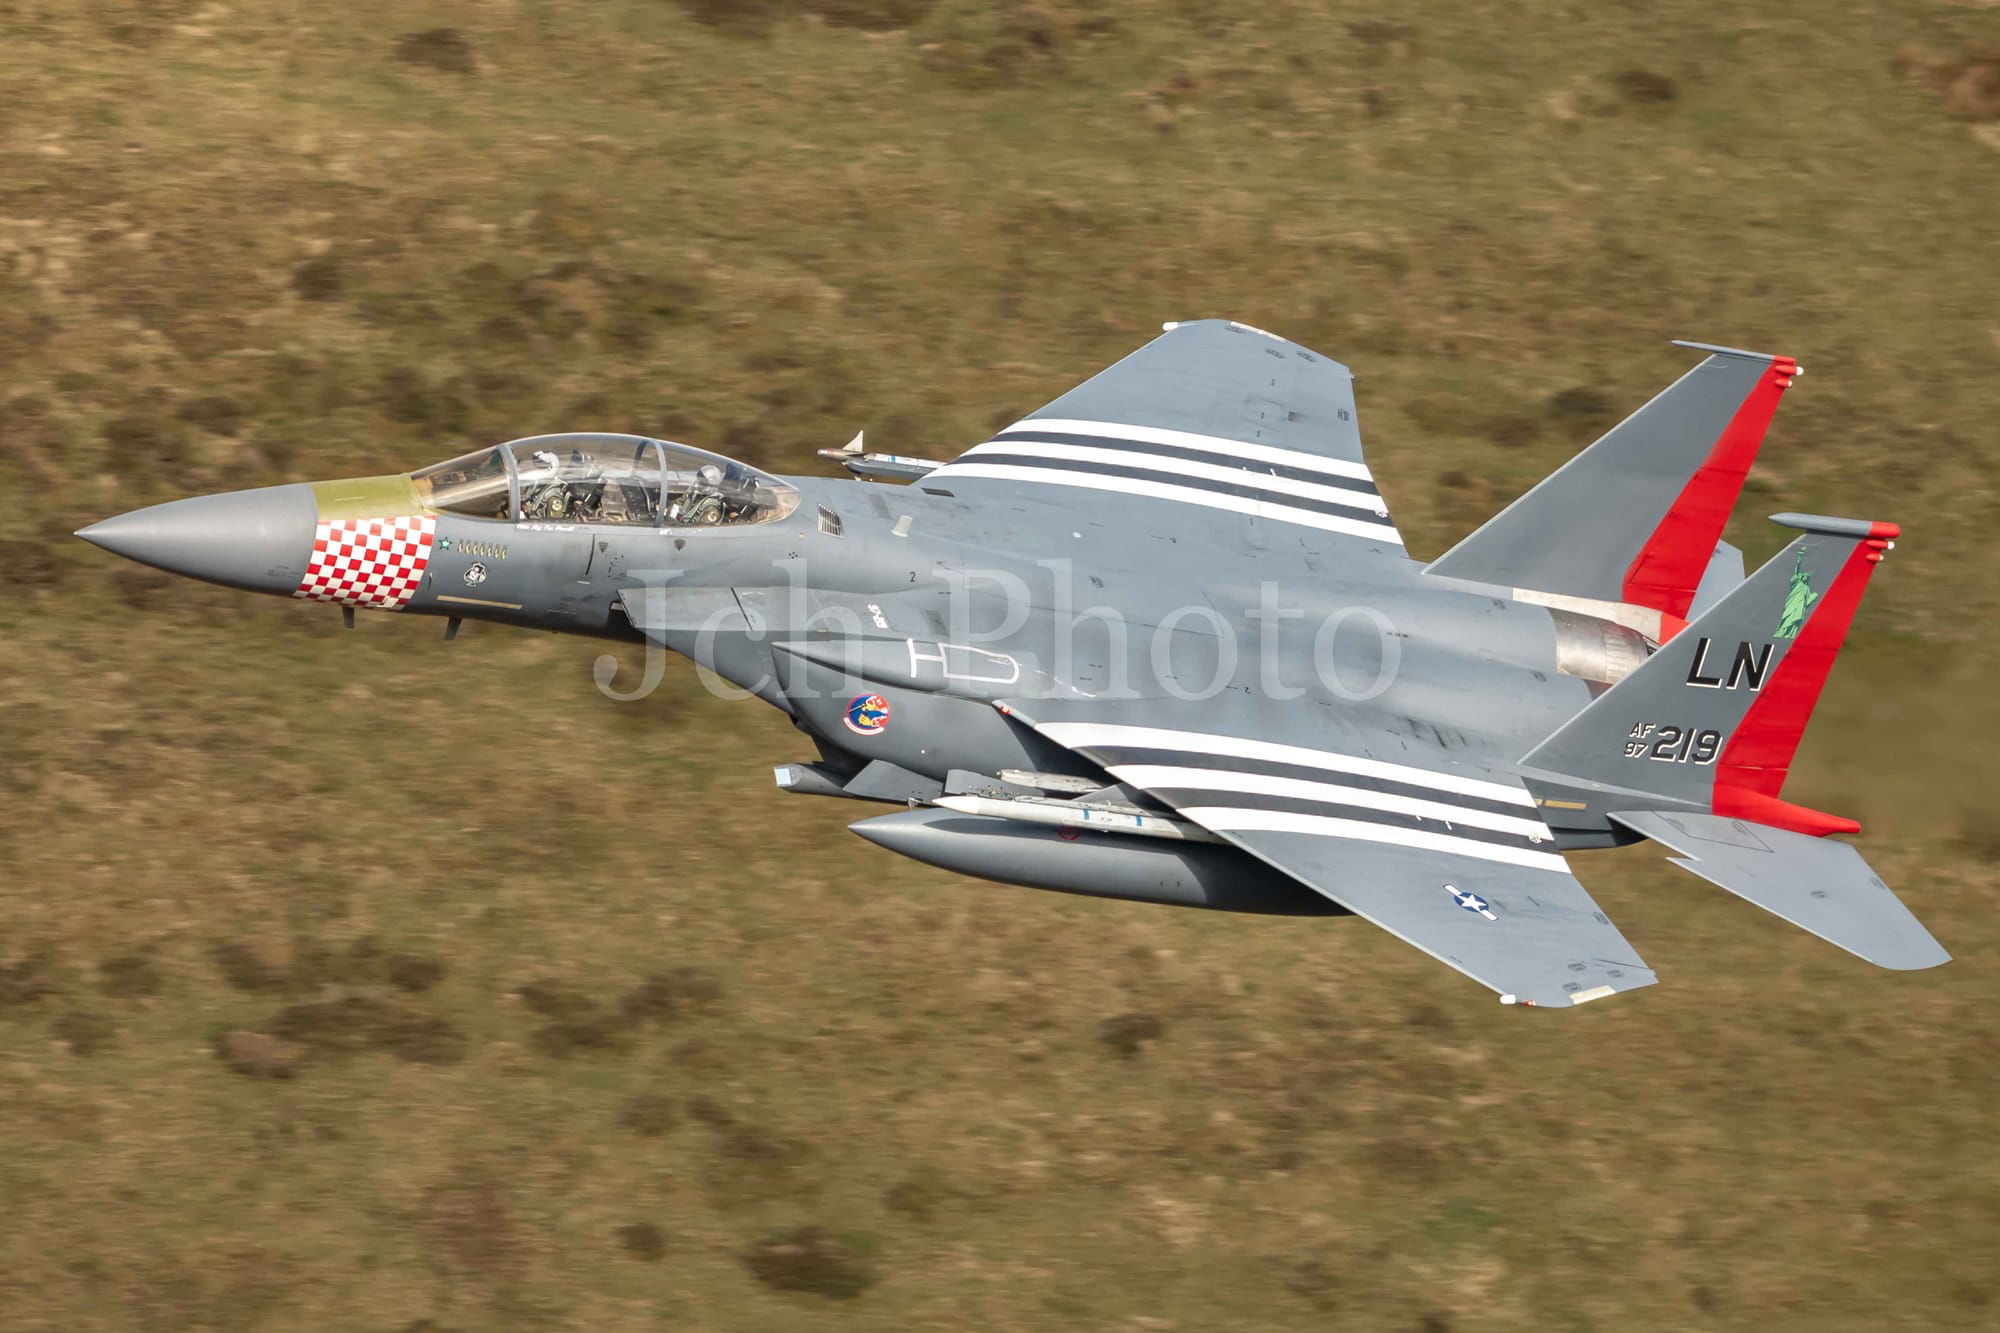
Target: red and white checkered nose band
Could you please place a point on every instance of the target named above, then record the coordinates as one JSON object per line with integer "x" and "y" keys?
{"x": 369, "y": 561}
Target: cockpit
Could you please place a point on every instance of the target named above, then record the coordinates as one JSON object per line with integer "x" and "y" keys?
{"x": 593, "y": 478}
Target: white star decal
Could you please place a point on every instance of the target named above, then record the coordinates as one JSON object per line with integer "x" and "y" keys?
{"x": 1471, "y": 902}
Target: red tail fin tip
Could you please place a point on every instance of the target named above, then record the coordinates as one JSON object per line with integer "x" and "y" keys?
{"x": 1755, "y": 806}
{"x": 1668, "y": 568}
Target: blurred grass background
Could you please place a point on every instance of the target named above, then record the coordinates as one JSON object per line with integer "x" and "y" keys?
{"x": 358, "y": 981}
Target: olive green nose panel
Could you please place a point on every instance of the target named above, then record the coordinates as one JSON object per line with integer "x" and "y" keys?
{"x": 367, "y": 497}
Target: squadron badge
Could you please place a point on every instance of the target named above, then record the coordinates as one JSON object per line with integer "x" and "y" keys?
{"x": 867, "y": 714}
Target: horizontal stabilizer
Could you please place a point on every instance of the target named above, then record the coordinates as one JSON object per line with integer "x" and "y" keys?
{"x": 1816, "y": 884}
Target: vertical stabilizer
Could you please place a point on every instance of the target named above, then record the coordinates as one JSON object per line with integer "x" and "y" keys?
{"x": 1714, "y": 717}
{"x": 1635, "y": 518}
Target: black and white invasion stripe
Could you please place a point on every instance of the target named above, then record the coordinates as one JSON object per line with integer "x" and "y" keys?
{"x": 1231, "y": 784}
{"x": 1283, "y": 485}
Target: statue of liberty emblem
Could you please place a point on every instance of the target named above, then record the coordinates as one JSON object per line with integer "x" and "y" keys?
{"x": 1799, "y": 599}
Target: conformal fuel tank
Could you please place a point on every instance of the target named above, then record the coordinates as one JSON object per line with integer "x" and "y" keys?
{"x": 1101, "y": 865}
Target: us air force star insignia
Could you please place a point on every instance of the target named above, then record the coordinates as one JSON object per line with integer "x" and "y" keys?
{"x": 1471, "y": 902}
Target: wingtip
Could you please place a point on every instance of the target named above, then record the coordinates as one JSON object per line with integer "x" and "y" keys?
{"x": 1922, "y": 961}
{"x": 1625, "y": 977}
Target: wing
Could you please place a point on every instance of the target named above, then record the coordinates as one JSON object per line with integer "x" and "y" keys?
{"x": 1211, "y": 422}
{"x": 1447, "y": 855}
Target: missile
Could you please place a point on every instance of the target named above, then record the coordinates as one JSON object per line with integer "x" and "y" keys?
{"x": 1069, "y": 814}
{"x": 1076, "y": 786}
{"x": 894, "y": 467}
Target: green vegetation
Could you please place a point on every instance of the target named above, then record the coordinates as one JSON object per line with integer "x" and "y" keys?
{"x": 358, "y": 981}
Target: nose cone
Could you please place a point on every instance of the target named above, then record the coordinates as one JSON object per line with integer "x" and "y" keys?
{"x": 260, "y": 540}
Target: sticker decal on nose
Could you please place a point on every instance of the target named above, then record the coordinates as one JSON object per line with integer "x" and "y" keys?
{"x": 369, "y": 561}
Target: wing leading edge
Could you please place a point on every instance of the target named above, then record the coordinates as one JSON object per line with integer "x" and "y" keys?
{"x": 1453, "y": 858}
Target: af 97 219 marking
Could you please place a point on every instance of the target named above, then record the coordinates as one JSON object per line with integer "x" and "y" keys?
{"x": 1668, "y": 744}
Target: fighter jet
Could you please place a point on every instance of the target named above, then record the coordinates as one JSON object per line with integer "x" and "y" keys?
{"x": 1161, "y": 640}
